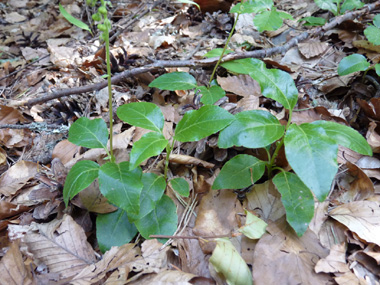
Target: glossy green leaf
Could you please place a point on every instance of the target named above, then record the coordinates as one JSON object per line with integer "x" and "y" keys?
{"x": 254, "y": 227}
{"x": 328, "y": 5}
{"x": 150, "y": 144}
{"x": 297, "y": 200}
{"x": 142, "y": 114}
{"x": 373, "y": 34}
{"x": 270, "y": 20}
{"x": 251, "y": 129}
{"x": 161, "y": 221}
{"x": 121, "y": 186}
{"x": 198, "y": 124}
{"x": 154, "y": 188}
{"x": 376, "y": 20}
{"x": 174, "y": 81}
{"x": 228, "y": 262}
{"x": 244, "y": 66}
{"x": 89, "y": 133}
{"x": 275, "y": 84}
{"x": 212, "y": 94}
{"x": 181, "y": 186}
{"x": 239, "y": 172}
{"x": 313, "y": 157}
{"x": 80, "y": 176}
{"x": 350, "y": 5}
{"x": 377, "y": 68}
{"x": 344, "y": 136}
{"x": 314, "y": 21}
{"x": 114, "y": 229}
{"x": 217, "y": 52}
{"x": 73, "y": 20}
{"x": 250, "y": 6}
{"x": 352, "y": 63}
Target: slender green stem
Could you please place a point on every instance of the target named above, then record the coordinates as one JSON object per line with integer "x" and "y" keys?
{"x": 224, "y": 49}
{"x": 110, "y": 108}
{"x": 169, "y": 149}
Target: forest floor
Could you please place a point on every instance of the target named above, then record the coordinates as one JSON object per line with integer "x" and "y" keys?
{"x": 50, "y": 75}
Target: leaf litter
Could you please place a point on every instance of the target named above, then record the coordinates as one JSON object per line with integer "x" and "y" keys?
{"x": 43, "y": 242}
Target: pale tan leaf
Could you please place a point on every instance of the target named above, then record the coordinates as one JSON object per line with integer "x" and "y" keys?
{"x": 9, "y": 115}
{"x": 186, "y": 159}
{"x": 113, "y": 259}
{"x": 335, "y": 261}
{"x": 12, "y": 268}
{"x": 166, "y": 277}
{"x": 373, "y": 138}
{"x": 312, "y": 48}
{"x": 61, "y": 245}
{"x": 281, "y": 257}
{"x": 361, "y": 217}
{"x": 243, "y": 85}
{"x": 16, "y": 177}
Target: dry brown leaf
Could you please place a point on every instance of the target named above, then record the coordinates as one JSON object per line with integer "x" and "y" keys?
{"x": 335, "y": 261}
{"x": 265, "y": 201}
{"x": 281, "y": 257}
{"x": 373, "y": 138}
{"x": 166, "y": 277}
{"x": 8, "y": 209}
{"x": 17, "y": 176}
{"x": 15, "y": 138}
{"x": 61, "y": 245}
{"x": 114, "y": 259}
{"x": 12, "y": 268}
{"x": 361, "y": 217}
{"x": 243, "y": 85}
{"x": 9, "y": 115}
{"x": 186, "y": 159}
{"x": 312, "y": 48}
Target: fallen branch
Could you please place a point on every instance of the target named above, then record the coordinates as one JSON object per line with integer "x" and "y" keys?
{"x": 203, "y": 62}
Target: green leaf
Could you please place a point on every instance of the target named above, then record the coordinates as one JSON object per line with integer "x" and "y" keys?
{"x": 350, "y": 5}
{"x": 314, "y": 21}
{"x": 114, "y": 229}
{"x": 376, "y": 20}
{"x": 313, "y": 157}
{"x": 80, "y": 176}
{"x": 275, "y": 84}
{"x": 142, "y": 114}
{"x": 181, "y": 186}
{"x": 254, "y": 227}
{"x": 227, "y": 261}
{"x": 345, "y": 136}
{"x": 161, "y": 221}
{"x": 121, "y": 186}
{"x": 212, "y": 94}
{"x": 373, "y": 34}
{"x": 217, "y": 52}
{"x": 251, "y": 6}
{"x": 327, "y": 5}
{"x": 89, "y": 133}
{"x": 154, "y": 188}
{"x": 150, "y": 144}
{"x": 198, "y": 124}
{"x": 352, "y": 63}
{"x": 244, "y": 66}
{"x": 73, "y": 20}
{"x": 239, "y": 172}
{"x": 251, "y": 129}
{"x": 297, "y": 200}
{"x": 270, "y": 20}
{"x": 377, "y": 68}
{"x": 174, "y": 81}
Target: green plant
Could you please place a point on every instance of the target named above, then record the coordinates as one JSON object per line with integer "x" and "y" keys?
{"x": 311, "y": 149}
{"x": 372, "y": 32}
{"x": 338, "y": 7}
{"x": 356, "y": 62}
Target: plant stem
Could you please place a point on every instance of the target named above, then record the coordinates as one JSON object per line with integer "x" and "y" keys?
{"x": 110, "y": 108}
{"x": 169, "y": 149}
{"x": 224, "y": 49}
